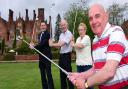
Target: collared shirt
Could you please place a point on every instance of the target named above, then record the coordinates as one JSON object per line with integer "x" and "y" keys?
{"x": 66, "y": 38}
{"x": 112, "y": 45}
{"x": 83, "y": 55}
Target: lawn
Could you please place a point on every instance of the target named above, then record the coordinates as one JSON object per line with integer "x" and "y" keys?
{"x": 24, "y": 76}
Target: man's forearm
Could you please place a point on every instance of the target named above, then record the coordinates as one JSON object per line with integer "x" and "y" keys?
{"x": 98, "y": 78}
{"x": 59, "y": 44}
{"x": 104, "y": 74}
{"x": 56, "y": 45}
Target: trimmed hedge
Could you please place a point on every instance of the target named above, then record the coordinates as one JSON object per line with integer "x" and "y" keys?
{"x": 55, "y": 55}
{"x": 24, "y": 49}
{"x": 9, "y": 56}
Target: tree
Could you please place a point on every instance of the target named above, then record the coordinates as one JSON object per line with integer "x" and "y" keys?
{"x": 57, "y": 28}
{"x": 2, "y": 45}
{"x": 116, "y": 13}
{"x": 81, "y": 17}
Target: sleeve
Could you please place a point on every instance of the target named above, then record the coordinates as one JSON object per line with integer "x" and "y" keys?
{"x": 116, "y": 46}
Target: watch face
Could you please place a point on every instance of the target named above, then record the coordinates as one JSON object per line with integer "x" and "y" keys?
{"x": 86, "y": 85}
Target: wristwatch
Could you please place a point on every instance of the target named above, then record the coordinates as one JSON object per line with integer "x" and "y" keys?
{"x": 86, "y": 85}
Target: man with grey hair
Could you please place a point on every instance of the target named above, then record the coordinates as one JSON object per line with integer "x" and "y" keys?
{"x": 110, "y": 55}
{"x": 65, "y": 53}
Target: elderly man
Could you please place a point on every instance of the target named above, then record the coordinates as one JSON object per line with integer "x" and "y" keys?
{"x": 110, "y": 55}
{"x": 65, "y": 53}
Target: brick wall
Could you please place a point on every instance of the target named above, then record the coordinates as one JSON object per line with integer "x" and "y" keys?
{"x": 26, "y": 57}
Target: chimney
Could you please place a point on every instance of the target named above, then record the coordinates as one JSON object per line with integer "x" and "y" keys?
{"x": 10, "y": 19}
{"x": 50, "y": 26}
{"x": 26, "y": 18}
{"x": 19, "y": 15}
{"x": 41, "y": 14}
{"x": 34, "y": 15}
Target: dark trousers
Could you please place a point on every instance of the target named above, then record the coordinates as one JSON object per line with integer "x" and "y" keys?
{"x": 65, "y": 63}
{"x": 84, "y": 68}
{"x": 46, "y": 76}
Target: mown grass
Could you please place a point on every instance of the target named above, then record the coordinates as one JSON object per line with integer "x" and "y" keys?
{"x": 25, "y": 76}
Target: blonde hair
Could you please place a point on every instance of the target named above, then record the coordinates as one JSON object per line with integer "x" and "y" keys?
{"x": 83, "y": 25}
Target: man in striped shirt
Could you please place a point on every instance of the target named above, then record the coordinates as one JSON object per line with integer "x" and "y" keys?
{"x": 110, "y": 55}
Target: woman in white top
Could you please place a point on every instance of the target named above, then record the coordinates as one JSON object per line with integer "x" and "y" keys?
{"x": 83, "y": 49}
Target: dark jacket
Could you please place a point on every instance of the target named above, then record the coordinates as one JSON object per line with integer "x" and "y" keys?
{"x": 43, "y": 45}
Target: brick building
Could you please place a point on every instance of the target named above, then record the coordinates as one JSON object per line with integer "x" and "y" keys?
{"x": 21, "y": 26}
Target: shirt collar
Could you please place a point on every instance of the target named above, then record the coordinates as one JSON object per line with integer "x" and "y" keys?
{"x": 108, "y": 25}
{"x": 65, "y": 31}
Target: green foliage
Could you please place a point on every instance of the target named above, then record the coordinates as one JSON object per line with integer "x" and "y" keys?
{"x": 55, "y": 53}
{"x": 2, "y": 45}
{"x": 116, "y": 13}
{"x": 81, "y": 17}
{"x": 57, "y": 28}
{"x": 24, "y": 49}
{"x": 9, "y": 56}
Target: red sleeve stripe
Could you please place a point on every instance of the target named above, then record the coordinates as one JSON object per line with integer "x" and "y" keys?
{"x": 99, "y": 65}
{"x": 116, "y": 48}
{"x": 124, "y": 60}
{"x": 118, "y": 85}
{"x": 100, "y": 43}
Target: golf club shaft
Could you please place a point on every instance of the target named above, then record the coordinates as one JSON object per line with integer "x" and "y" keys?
{"x": 47, "y": 58}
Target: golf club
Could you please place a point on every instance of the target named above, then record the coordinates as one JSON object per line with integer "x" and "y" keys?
{"x": 20, "y": 38}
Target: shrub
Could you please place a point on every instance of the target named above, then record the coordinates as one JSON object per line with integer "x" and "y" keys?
{"x": 24, "y": 49}
{"x": 9, "y": 56}
{"x": 55, "y": 55}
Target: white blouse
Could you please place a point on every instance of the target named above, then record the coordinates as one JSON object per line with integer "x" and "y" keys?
{"x": 83, "y": 55}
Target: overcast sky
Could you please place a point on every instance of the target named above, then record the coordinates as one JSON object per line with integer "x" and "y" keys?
{"x": 52, "y": 7}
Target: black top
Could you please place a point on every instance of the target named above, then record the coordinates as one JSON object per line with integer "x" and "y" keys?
{"x": 43, "y": 45}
